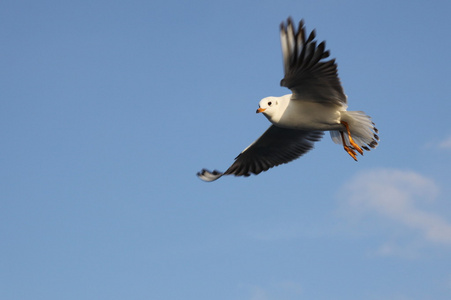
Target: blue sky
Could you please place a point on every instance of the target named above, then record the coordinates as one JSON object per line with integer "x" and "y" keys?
{"x": 109, "y": 108}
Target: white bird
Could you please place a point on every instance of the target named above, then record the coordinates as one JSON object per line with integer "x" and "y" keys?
{"x": 317, "y": 104}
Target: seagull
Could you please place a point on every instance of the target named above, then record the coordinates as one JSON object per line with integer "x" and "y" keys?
{"x": 317, "y": 104}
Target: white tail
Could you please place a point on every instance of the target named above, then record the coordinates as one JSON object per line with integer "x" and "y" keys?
{"x": 362, "y": 130}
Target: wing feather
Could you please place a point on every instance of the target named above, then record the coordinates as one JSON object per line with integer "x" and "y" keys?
{"x": 275, "y": 147}
{"x": 307, "y": 75}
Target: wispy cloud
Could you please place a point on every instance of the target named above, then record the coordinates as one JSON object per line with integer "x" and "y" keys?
{"x": 445, "y": 144}
{"x": 398, "y": 196}
{"x": 279, "y": 290}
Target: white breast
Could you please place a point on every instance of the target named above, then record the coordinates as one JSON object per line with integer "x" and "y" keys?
{"x": 306, "y": 115}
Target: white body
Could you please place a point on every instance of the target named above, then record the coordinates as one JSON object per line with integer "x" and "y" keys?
{"x": 303, "y": 115}
{"x": 310, "y": 115}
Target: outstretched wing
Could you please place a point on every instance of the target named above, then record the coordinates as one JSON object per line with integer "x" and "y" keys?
{"x": 276, "y": 146}
{"x": 307, "y": 75}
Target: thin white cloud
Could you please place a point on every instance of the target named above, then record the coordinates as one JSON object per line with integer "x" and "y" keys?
{"x": 394, "y": 248}
{"x": 278, "y": 290}
{"x": 398, "y": 196}
{"x": 445, "y": 144}
{"x": 258, "y": 293}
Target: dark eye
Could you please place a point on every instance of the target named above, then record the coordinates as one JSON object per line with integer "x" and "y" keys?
{"x": 269, "y": 103}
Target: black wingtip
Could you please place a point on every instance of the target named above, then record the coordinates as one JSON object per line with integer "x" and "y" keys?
{"x": 311, "y": 36}
{"x": 208, "y": 176}
{"x": 301, "y": 23}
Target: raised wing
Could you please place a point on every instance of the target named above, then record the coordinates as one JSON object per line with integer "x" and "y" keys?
{"x": 276, "y": 146}
{"x": 307, "y": 75}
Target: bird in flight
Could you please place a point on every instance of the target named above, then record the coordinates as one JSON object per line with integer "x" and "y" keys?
{"x": 317, "y": 104}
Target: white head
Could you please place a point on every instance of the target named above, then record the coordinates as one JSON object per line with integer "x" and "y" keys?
{"x": 268, "y": 106}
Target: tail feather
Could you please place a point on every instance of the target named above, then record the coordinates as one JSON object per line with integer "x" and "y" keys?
{"x": 363, "y": 130}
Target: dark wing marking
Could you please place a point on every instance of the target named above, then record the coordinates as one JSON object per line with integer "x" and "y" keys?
{"x": 307, "y": 75}
{"x": 276, "y": 146}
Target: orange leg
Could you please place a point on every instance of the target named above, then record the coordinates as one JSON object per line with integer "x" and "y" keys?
{"x": 351, "y": 141}
{"x": 347, "y": 149}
